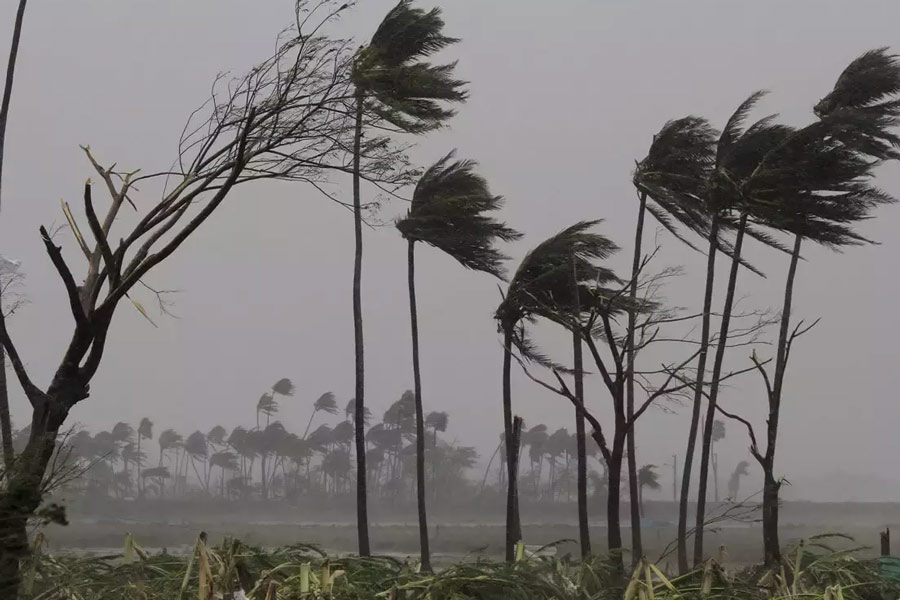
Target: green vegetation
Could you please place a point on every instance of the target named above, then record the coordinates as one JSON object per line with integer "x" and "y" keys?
{"x": 813, "y": 570}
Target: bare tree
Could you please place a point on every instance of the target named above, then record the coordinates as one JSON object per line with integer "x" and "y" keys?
{"x": 282, "y": 120}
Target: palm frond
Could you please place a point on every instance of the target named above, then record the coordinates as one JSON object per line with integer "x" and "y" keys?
{"x": 448, "y": 212}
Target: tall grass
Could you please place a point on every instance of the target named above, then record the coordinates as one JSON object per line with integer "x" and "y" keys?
{"x": 234, "y": 571}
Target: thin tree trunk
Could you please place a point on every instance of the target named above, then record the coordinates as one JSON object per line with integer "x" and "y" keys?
{"x": 583, "y": 529}
{"x": 698, "y": 396}
{"x": 362, "y": 515}
{"x": 420, "y": 416}
{"x": 715, "y": 468}
{"x": 488, "y": 468}
{"x": 511, "y": 496}
{"x": 771, "y": 545}
{"x": 23, "y": 493}
{"x": 633, "y": 491}
{"x": 613, "y": 505}
{"x": 771, "y": 486}
{"x": 5, "y": 420}
{"x": 721, "y": 345}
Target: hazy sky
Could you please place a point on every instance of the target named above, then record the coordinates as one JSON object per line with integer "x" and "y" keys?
{"x": 565, "y": 96}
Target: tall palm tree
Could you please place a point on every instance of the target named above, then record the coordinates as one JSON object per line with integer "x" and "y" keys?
{"x": 449, "y": 211}
{"x": 718, "y": 434}
{"x": 669, "y": 182}
{"x": 740, "y": 155}
{"x": 816, "y": 186}
{"x": 437, "y": 421}
{"x": 647, "y": 477}
{"x": 690, "y": 180}
{"x": 144, "y": 431}
{"x": 325, "y": 403}
{"x": 394, "y": 88}
{"x": 196, "y": 448}
{"x": 226, "y": 461}
{"x": 6, "y": 434}
{"x": 266, "y": 405}
{"x": 540, "y": 286}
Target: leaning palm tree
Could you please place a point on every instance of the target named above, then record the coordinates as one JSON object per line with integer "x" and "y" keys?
{"x": 647, "y": 477}
{"x": 740, "y": 156}
{"x": 266, "y": 405}
{"x": 669, "y": 182}
{"x": 325, "y": 403}
{"x": 817, "y": 186}
{"x": 437, "y": 421}
{"x": 450, "y": 211}
{"x": 396, "y": 89}
{"x": 542, "y": 286}
{"x": 144, "y": 431}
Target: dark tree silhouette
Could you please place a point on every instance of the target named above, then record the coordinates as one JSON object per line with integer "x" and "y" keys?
{"x": 394, "y": 88}
{"x": 450, "y": 211}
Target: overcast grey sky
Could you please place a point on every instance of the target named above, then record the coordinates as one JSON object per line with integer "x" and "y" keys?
{"x": 565, "y": 95}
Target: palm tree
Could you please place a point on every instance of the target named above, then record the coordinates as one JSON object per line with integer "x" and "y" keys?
{"x": 647, "y": 477}
{"x": 167, "y": 440}
{"x": 734, "y": 482}
{"x": 350, "y": 412}
{"x": 394, "y": 87}
{"x": 216, "y": 437}
{"x": 816, "y": 186}
{"x": 6, "y": 434}
{"x": 668, "y": 181}
{"x": 196, "y": 448}
{"x": 144, "y": 431}
{"x": 696, "y": 184}
{"x": 741, "y": 154}
{"x": 718, "y": 434}
{"x": 437, "y": 421}
{"x": 542, "y": 285}
{"x": 266, "y": 405}
{"x": 449, "y": 211}
{"x": 325, "y": 403}
{"x": 226, "y": 461}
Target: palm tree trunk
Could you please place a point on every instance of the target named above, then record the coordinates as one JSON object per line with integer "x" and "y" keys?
{"x": 5, "y": 420}
{"x": 633, "y": 491}
{"x": 613, "y": 505}
{"x": 512, "y": 510}
{"x": 721, "y": 345}
{"x": 583, "y": 530}
{"x": 771, "y": 486}
{"x": 698, "y": 395}
{"x": 420, "y": 416}
{"x": 362, "y": 513}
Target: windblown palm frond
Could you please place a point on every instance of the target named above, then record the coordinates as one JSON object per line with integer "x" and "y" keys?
{"x": 397, "y": 87}
{"x": 543, "y": 281}
{"x": 326, "y": 403}
{"x": 448, "y": 212}
{"x": 864, "y": 102}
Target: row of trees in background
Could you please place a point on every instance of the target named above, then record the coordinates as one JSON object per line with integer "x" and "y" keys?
{"x": 318, "y": 108}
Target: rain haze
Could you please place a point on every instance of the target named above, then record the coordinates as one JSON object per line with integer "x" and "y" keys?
{"x": 564, "y": 98}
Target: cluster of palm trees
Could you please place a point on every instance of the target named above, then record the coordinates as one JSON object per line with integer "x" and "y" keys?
{"x": 266, "y": 461}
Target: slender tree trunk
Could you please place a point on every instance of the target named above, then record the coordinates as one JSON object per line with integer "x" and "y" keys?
{"x": 420, "y": 415}
{"x": 698, "y": 396}
{"x": 771, "y": 486}
{"x": 715, "y": 468}
{"x": 633, "y": 491}
{"x": 583, "y": 529}
{"x": 721, "y": 345}
{"x": 5, "y": 420}
{"x": 613, "y": 505}
{"x": 512, "y": 527}
{"x": 362, "y": 514}
{"x": 487, "y": 470}
{"x": 771, "y": 546}
{"x": 23, "y": 493}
